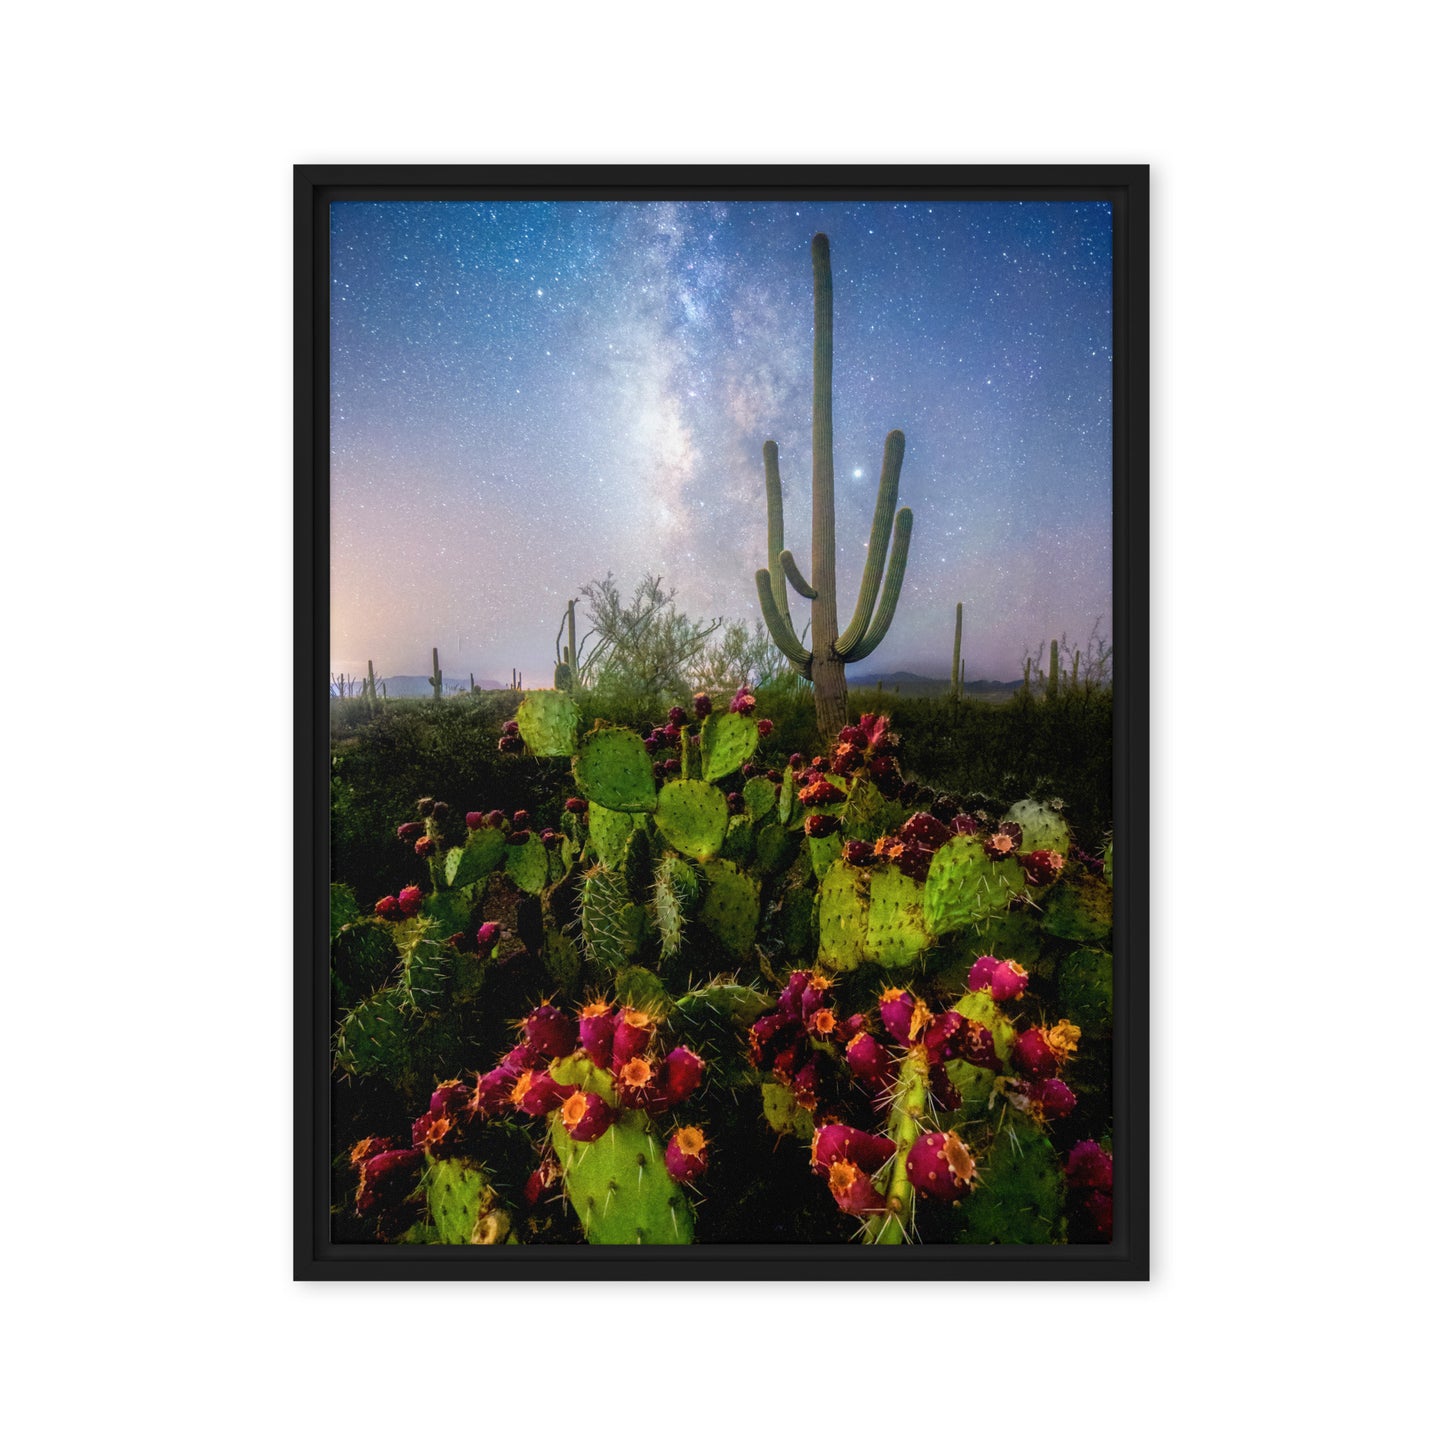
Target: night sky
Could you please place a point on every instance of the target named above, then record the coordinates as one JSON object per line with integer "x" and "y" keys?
{"x": 525, "y": 396}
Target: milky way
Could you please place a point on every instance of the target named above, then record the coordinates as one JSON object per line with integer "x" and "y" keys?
{"x": 525, "y": 396}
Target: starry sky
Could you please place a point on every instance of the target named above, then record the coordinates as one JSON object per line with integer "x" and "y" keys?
{"x": 527, "y": 395}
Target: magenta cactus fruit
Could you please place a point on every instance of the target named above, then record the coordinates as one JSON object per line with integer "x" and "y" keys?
{"x": 822, "y": 1023}
{"x": 576, "y": 805}
{"x": 671, "y": 765}
{"x": 682, "y": 1072}
{"x": 449, "y": 1096}
{"x": 475, "y": 820}
{"x": 439, "y": 810}
{"x": 631, "y": 1034}
{"x": 517, "y": 837}
{"x": 975, "y": 1046}
{"x": 671, "y": 734}
{"x": 387, "y": 1178}
{"x": 1054, "y": 1098}
{"x": 940, "y": 1035}
{"x": 586, "y": 1116}
{"x": 488, "y": 936}
{"x": 686, "y": 1154}
{"x": 495, "y": 818}
{"x": 805, "y": 1082}
{"x": 536, "y": 1092}
{"x": 765, "y": 726}
{"x": 1009, "y": 980}
{"x": 389, "y": 909}
{"x": 903, "y": 1016}
{"x": 743, "y": 702}
{"x": 980, "y": 976}
{"x": 964, "y": 825}
{"x": 433, "y": 1130}
{"x": 636, "y": 1082}
{"x": 595, "y": 1025}
{"x": 539, "y": 1181}
{"x": 856, "y": 854}
{"x": 550, "y": 1031}
{"x": 833, "y": 1142}
{"x": 511, "y": 728}
{"x": 820, "y": 825}
{"x": 925, "y": 830}
{"x": 816, "y": 988}
{"x": 1097, "y": 1209}
{"x": 853, "y": 1190}
{"x": 677, "y": 716}
{"x": 409, "y": 901}
{"x": 821, "y": 794}
{"x": 868, "y": 1059}
{"x": 650, "y": 744}
{"x": 424, "y": 847}
{"x": 521, "y": 818}
{"x": 940, "y": 1166}
{"x": 795, "y": 761}
{"x": 701, "y": 705}
{"x": 1042, "y": 866}
{"x": 493, "y": 1091}
{"x": 508, "y": 744}
{"x": 1089, "y": 1167}
{"x": 847, "y": 758}
{"x": 1032, "y": 1055}
{"x": 408, "y": 832}
{"x": 1003, "y": 841}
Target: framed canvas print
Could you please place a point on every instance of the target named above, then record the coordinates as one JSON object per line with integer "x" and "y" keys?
{"x": 721, "y": 664}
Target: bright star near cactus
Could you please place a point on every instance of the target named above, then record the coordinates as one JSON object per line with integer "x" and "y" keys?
{"x": 678, "y": 345}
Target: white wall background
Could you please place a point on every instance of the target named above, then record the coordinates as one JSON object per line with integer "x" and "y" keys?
{"x": 146, "y": 347}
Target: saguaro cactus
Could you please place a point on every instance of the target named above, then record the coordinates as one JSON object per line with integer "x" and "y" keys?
{"x": 370, "y": 682}
{"x": 823, "y": 665}
{"x": 957, "y": 651}
{"x": 565, "y": 675}
{"x": 436, "y": 676}
{"x": 1053, "y": 688}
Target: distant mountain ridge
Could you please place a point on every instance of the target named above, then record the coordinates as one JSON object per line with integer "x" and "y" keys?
{"x": 421, "y": 686}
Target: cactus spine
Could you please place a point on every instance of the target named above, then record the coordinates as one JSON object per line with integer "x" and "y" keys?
{"x": 1053, "y": 688}
{"x": 957, "y": 651}
{"x": 436, "y": 676}
{"x": 823, "y": 665}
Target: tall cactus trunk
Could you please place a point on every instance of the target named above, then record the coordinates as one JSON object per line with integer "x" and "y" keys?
{"x": 436, "y": 676}
{"x": 957, "y": 649}
{"x": 370, "y": 682}
{"x": 1053, "y": 689}
{"x": 830, "y": 682}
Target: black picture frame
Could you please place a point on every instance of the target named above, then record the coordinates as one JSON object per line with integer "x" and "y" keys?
{"x": 1127, "y": 188}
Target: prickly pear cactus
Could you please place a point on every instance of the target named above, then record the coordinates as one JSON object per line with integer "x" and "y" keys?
{"x": 613, "y": 769}
{"x": 897, "y": 934}
{"x": 693, "y": 817}
{"x": 728, "y": 740}
{"x": 463, "y": 1205}
{"x": 843, "y": 909}
{"x": 481, "y": 853}
{"x": 964, "y": 885}
{"x": 730, "y": 906}
{"x": 548, "y": 723}
{"x": 1020, "y": 1194}
{"x": 676, "y": 890}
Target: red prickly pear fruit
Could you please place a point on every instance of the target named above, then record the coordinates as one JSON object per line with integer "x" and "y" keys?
{"x": 631, "y": 1034}
{"x": 821, "y": 794}
{"x": 539, "y": 1181}
{"x": 774, "y": 776}
{"x": 785, "y": 1061}
{"x": 854, "y": 1024}
{"x": 488, "y": 935}
{"x": 495, "y": 818}
{"x": 1042, "y": 866}
{"x": 795, "y": 761}
{"x": 735, "y": 803}
{"x": 510, "y": 728}
{"x": 650, "y": 744}
{"x": 525, "y": 1055}
{"x": 980, "y": 976}
{"x": 805, "y": 1083}
{"x": 975, "y": 1046}
{"x": 701, "y": 705}
{"x": 914, "y": 860}
{"x": 676, "y": 716}
{"x": 1098, "y": 1212}
{"x": 517, "y": 837}
{"x": 816, "y": 988}
{"x": 586, "y": 1117}
{"x": 743, "y": 702}
{"x": 431, "y": 1130}
{"x": 365, "y": 1149}
{"x": 854, "y": 737}
{"x": 595, "y": 1025}
{"x": 1089, "y": 1167}
{"x": 439, "y": 811}
{"x": 823, "y": 1023}
{"x": 475, "y": 820}
{"x": 856, "y": 854}
{"x": 765, "y": 726}
{"x": 576, "y": 805}
{"x": 748, "y": 769}
{"x": 460, "y": 942}
{"x": 686, "y": 1154}
{"x": 409, "y": 832}
{"x": 671, "y": 766}
{"x": 964, "y": 825}
{"x": 387, "y": 1178}
{"x": 940, "y": 1166}
{"x": 853, "y": 1190}
{"x": 1032, "y": 1055}
{"x": 536, "y": 1092}
{"x": 895, "y": 1008}
{"x": 636, "y": 1082}
{"x": 549, "y": 837}
{"x": 820, "y": 825}
{"x": 448, "y": 1096}
{"x": 790, "y": 1000}
{"x": 925, "y": 830}
{"x": 939, "y": 1036}
{"x": 1054, "y": 1098}
{"x": 944, "y": 1091}
{"x": 389, "y": 909}
{"x": 493, "y": 1091}
{"x": 868, "y": 1059}
{"x": 833, "y": 1142}
{"x": 681, "y": 1074}
{"x": 761, "y": 1034}
{"x": 671, "y": 734}
{"x": 424, "y": 847}
{"x": 521, "y": 819}
{"x": 507, "y": 743}
{"x": 550, "y": 1031}
{"x": 846, "y": 758}
{"x": 409, "y": 901}
{"x": 1009, "y": 980}
{"x": 1003, "y": 841}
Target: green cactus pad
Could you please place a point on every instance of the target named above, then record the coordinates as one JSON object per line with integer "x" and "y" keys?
{"x": 980, "y": 1005}
{"x": 693, "y": 817}
{"x": 975, "y": 1090}
{"x": 1043, "y": 827}
{"x": 613, "y": 769}
{"x": 373, "y": 1037}
{"x": 730, "y": 906}
{"x": 787, "y": 796}
{"x": 606, "y": 928}
{"x": 562, "y": 960}
{"x": 343, "y": 907}
{"x": 675, "y": 892}
{"x": 483, "y": 851}
{"x": 462, "y": 1203}
{"x": 1086, "y": 989}
{"x": 363, "y": 956}
{"x": 1081, "y": 910}
{"x": 897, "y": 934}
{"x": 620, "y": 1187}
{"x": 548, "y": 724}
{"x": 637, "y": 864}
{"x": 739, "y": 845}
{"x": 1019, "y": 1196}
{"x": 609, "y": 832}
{"x": 734, "y": 1003}
{"x": 784, "y": 1113}
{"x": 842, "y": 917}
{"x": 775, "y": 848}
{"x": 728, "y": 740}
{"x": 868, "y": 815}
{"x": 527, "y": 865}
{"x": 964, "y": 886}
{"x": 760, "y": 797}
{"x": 578, "y": 1069}
{"x": 823, "y": 853}
{"x": 641, "y": 988}
{"x": 796, "y": 923}
{"x": 426, "y": 975}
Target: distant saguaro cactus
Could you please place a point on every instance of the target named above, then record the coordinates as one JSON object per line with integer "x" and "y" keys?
{"x": 436, "y": 676}
{"x": 1053, "y": 687}
{"x": 823, "y": 665}
{"x": 565, "y": 675}
{"x": 957, "y": 651}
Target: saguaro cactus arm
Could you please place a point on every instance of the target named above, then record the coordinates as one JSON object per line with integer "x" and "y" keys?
{"x": 883, "y": 519}
{"x": 892, "y": 589}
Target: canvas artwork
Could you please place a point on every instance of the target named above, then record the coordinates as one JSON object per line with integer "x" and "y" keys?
{"x": 721, "y": 672}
